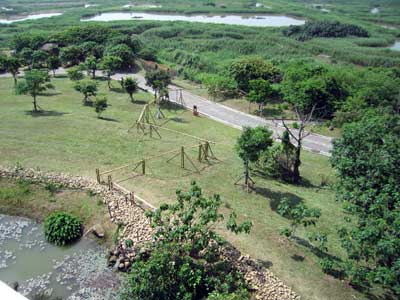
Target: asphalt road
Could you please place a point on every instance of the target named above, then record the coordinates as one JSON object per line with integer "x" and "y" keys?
{"x": 229, "y": 116}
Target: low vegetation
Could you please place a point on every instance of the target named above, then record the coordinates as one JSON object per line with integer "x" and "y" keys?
{"x": 61, "y": 228}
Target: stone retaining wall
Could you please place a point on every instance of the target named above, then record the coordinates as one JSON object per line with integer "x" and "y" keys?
{"x": 262, "y": 281}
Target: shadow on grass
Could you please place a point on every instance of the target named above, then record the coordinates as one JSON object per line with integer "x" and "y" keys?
{"x": 140, "y": 102}
{"x": 108, "y": 119}
{"x": 277, "y": 197}
{"x": 178, "y": 120}
{"x": 50, "y": 94}
{"x": 45, "y": 113}
{"x": 297, "y": 258}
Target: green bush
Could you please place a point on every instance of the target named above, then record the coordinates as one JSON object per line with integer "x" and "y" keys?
{"x": 61, "y": 228}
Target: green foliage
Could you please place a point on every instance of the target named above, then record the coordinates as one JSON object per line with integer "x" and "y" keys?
{"x": 12, "y": 65}
{"x": 28, "y": 40}
{"x": 39, "y": 58}
{"x": 100, "y": 105}
{"x": 53, "y": 63}
{"x": 109, "y": 65}
{"x": 123, "y": 52}
{"x": 260, "y": 91}
{"x": 298, "y": 214}
{"x": 34, "y": 83}
{"x": 62, "y": 229}
{"x": 253, "y": 142}
{"x": 71, "y": 55}
{"x": 249, "y": 68}
{"x": 75, "y": 74}
{"x": 91, "y": 65}
{"x": 128, "y": 243}
{"x": 220, "y": 86}
{"x": 325, "y": 29}
{"x": 158, "y": 80}
{"x": 279, "y": 160}
{"x": 312, "y": 88}
{"x": 130, "y": 86}
{"x": 88, "y": 88}
{"x": 52, "y": 187}
{"x": 366, "y": 158}
{"x": 183, "y": 264}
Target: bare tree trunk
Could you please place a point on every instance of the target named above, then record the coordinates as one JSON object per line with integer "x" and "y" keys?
{"x": 297, "y": 163}
{"x": 15, "y": 79}
{"x": 34, "y": 104}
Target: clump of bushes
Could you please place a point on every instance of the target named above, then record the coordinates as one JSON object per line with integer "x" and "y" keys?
{"x": 325, "y": 29}
{"x": 61, "y": 228}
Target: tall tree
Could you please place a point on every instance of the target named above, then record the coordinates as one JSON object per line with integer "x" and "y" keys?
{"x": 260, "y": 91}
{"x": 12, "y": 66}
{"x": 130, "y": 85}
{"x": 250, "y": 145}
{"x": 158, "y": 80}
{"x": 91, "y": 65}
{"x": 250, "y": 68}
{"x": 34, "y": 83}
{"x": 53, "y": 63}
{"x": 109, "y": 65}
{"x": 310, "y": 91}
{"x": 367, "y": 160}
{"x": 88, "y": 88}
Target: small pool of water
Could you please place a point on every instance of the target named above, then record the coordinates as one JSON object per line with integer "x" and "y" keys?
{"x": 396, "y": 46}
{"x": 29, "y": 17}
{"x": 76, "y": 272}
{"x": 245, "y": 20}
{"x": 375, "y": 10}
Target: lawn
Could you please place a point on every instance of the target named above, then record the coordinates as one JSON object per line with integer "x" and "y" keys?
{"x": 69, "y": 137}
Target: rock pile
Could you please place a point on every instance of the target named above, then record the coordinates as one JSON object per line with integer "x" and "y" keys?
{"x": 263, "y": 282}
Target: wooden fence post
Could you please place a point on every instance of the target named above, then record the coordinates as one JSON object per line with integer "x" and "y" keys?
{"x": 182, "y": 157}
{"x": 98, "y": 176}
{"x": 109, "y": 181}
{"x": 143, "y": 167}
{"x": 200, "y": 152}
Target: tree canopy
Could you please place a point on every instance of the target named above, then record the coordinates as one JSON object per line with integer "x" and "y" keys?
{"x": 367, "y": 160}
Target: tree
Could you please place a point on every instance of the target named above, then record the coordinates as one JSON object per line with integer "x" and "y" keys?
{"x": 130, "y": 85}
{"x": 71, "y": 55}
{"x": 298, "y": 214}
{"x": 34, "y": 83}
{"x": 88, "y": 88}
{"x": 184, "y": 263}
{"x": 250, "y": 145}
{"x": 39, "y": 58}
{"x": 260, "y": 91}
{"x": 310, "y": 91}
{"x": 53, "y": 63}
{"x": 91, "y": 65}
{"x": 158, "y": 80}
{"x": 250, "y": 68}
{"x": 367, "y": 160}
{"x": 26, "y": 56}
{"x": 220, "y": 86}
{"x": 123, "y": 52}
{"x": 12, "y": 65}
{"x": 100, "y": 105}
{"x": 109, "y": 65}
{"x": 75, "y": 74}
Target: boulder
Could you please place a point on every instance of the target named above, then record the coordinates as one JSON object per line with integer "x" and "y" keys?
{"x": 98, "y": 231}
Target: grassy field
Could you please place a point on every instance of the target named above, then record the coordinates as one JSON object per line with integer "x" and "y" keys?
{"x": 34, "y": 201}
{"x": 69, "y": 137}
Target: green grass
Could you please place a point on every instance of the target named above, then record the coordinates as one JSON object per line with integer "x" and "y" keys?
{"x": 22, "y": 198}
{"x": 70, "y": 138}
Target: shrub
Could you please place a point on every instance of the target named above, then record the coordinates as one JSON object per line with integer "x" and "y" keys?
{"x": 61, "y": 228}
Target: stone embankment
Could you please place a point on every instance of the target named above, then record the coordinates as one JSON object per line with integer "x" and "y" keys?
{"x": 264, "y": 284}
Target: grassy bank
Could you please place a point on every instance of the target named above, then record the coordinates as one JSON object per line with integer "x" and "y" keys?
{"x": 68, "y": 137}
{"x": 22, "y": 198}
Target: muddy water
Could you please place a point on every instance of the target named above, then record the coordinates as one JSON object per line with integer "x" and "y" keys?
{"x": 29, "y": 17}
{"x": 73, "y": 273}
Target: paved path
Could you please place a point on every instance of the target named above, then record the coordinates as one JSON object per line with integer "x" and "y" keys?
{"x": 229, "y": 116}
{"x": 232, "y": 117}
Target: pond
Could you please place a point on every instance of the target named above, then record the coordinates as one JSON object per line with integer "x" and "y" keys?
{"x": 29, "y": 17}
{"x": 74, "y": 273}
{"x": 245, "y": 20}
{"x": 396, "y": 46}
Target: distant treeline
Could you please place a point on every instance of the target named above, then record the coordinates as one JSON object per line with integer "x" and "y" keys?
{"x": 325, "y": 29}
